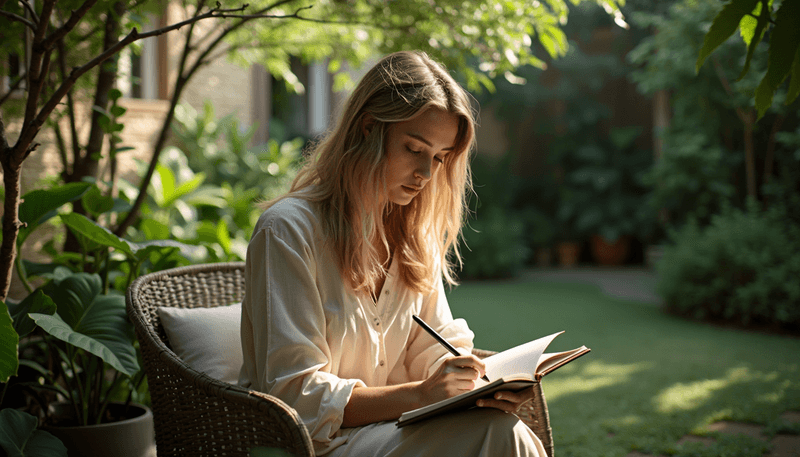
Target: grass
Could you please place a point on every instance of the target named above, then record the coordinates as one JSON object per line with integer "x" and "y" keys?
{"x": 650, "y": 379}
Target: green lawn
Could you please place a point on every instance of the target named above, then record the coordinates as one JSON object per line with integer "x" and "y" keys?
{"x": 650, "y": 378}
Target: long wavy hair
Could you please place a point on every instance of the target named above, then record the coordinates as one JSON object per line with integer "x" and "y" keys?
{"x": 345, "y": 173}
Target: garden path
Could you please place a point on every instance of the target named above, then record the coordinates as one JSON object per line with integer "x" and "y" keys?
{"x": 630, "y": 283}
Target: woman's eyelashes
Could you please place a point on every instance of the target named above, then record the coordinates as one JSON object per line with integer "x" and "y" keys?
{"x": 437, "y": 158}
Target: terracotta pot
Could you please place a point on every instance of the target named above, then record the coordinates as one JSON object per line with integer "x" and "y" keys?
{"x": 134, "y": 437}
{"x": 609, "y": 253}
{"x": 568, "y": 254}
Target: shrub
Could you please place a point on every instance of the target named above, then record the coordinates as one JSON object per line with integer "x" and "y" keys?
{"x": 494, "y": 244}
{"x": 741, "y": 268}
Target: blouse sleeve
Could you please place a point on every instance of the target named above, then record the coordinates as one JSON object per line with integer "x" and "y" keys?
{"x": 424, "y": 354}
{"x": 283, "y": 329}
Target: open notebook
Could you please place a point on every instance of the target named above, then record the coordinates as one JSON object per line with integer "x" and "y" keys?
{"x": 511, "y": 370}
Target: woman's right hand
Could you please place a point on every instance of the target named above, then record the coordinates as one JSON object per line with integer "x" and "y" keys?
{"x": 454, "y": 376}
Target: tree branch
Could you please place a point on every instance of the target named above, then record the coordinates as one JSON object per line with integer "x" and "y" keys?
{"x": 14, "y": 86}
{"x": 15, "y": 17}
{"x": 183, "y": 77}
{"x": 73, "y": 124}
{"x": 31, "y": 11}
{"x": 44, "y": 21}
{"x": 73, "y": 20}
{"x": 30, "y": 131}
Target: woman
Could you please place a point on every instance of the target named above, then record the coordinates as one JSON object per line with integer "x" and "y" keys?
{"x": 337, "y": 267}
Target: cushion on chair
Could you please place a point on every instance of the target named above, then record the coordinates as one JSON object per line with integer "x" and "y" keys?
{"x": 206, "y": 339}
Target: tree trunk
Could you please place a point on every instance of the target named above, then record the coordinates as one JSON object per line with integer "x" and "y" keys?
{"x": 749, "y": 120}
{"x": 88, "y": 163}
{"x": 11, "y": 223}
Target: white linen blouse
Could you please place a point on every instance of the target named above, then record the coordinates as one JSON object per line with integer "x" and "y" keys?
{"x": 309, "y": 339}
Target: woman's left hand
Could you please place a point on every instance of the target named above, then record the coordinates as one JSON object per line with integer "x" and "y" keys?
{"x": 509, "y": 402}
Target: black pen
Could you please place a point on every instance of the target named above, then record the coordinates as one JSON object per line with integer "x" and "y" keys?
{"x": 441, "y": 340}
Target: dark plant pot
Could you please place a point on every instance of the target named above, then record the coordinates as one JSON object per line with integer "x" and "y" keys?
{"x": 568, "y": 254}
{"x": 544, "y": 257}
{"x": 133, "y": 437}
{"x": 609, "y": 253}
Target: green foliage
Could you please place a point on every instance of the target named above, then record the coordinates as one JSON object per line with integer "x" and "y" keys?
{"x": 494, "y": 242}
{"x": 496, "y": 34}
{"x": 19, "y": 437}
{"x": 754, "y": 18}
{"x": 602, "y": 191}
{"x": 691, "y": 180}
{"x": 205, "y": 190}
{"x": 9, "y": 344}
{"x": 75, "y": 324}
{"x": 702, "y": 164}
{"x": 39, "y": 205}
{"x": 90, "y": 320}
{"x": 741, "y": 268}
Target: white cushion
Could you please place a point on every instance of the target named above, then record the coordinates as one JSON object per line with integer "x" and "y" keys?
{"x": 206, "y": 339}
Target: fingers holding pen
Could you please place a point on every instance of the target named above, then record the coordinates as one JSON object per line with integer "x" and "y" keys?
{"x": 454, "y": 376}
{"x": 465, "y": 367}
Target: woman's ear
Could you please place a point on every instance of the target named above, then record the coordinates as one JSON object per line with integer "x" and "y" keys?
{"x": 367, "y": 122}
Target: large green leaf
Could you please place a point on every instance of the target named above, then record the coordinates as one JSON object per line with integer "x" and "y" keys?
{"x": 19, "y": 436}
{"x": 783, "y": 45}
{"x": 726, "y": 22}
{"x": 39, "y": 205}
{"x": 74, "y": 294}
{"x": 83, "y": 226}
{"x": 90, "y": 320}
{"x": 96, "y": 203}
{"x": 37, "y": 302}
{"x": 794, "y": 83}
{"x": 9, "y": 345}
{"x": 752, "y": 30}
{"x": 109, "y": 344}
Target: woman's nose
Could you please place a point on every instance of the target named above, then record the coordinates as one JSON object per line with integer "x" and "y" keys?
{"x": 423, "y": 170}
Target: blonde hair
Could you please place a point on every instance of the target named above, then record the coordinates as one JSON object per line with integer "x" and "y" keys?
{"x": 345, "y": 171}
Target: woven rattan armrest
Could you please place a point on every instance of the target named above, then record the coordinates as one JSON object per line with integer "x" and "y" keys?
{"x": 533, "y": 413}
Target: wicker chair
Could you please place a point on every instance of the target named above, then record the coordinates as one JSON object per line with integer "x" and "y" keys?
{"x": 200, "y": 416}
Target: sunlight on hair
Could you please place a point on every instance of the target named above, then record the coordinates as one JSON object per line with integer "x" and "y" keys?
{"x": 592, "y": 376}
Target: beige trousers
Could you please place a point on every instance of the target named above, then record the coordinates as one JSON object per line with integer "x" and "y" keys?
{"x": 478, "y": 432}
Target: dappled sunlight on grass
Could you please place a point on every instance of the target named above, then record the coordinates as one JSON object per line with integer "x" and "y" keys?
{"x": 591, "y": 376}
{"x": 691, "y": 395}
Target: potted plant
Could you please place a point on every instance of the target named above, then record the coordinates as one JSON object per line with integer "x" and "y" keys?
{"x": 541, "y": 235}
{"x": 607, "y": 198}
{"x": 76, "y": 352}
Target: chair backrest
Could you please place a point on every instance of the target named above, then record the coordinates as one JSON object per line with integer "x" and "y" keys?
{"x": 195, "y": 414}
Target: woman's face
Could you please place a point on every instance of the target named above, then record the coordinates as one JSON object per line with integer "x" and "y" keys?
{"x": 415, "y": 150}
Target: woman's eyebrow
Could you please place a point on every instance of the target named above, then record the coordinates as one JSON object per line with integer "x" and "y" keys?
{"x": 422, "y": 139}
